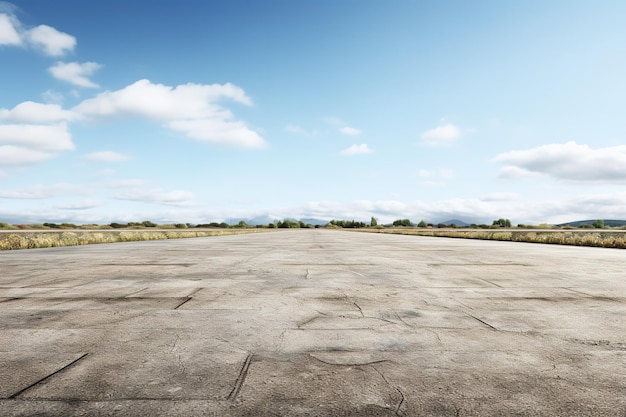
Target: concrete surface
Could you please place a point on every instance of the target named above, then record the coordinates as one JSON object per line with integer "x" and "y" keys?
{"x": 313, "y": 323}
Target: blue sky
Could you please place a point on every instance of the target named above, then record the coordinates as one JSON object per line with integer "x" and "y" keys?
{"x": 201, "y": 111}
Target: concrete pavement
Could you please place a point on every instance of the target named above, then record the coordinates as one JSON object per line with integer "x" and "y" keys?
{"x": 313, "y": 323}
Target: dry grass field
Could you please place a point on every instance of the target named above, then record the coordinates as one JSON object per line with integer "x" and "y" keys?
{"x": 596, "y": 238}
{"x": 48, "y": 239}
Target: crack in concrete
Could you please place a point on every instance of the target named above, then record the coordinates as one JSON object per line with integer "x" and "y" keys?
{"x": 402, "y": 398}
{"x": 181, "y": 304}
{"x": 241, "y": 378}
{"x": 349, "y": 364}
{"x": 359, "y": 307}
{"x": 482, "y": 321}
{"x": 23, "y": 390}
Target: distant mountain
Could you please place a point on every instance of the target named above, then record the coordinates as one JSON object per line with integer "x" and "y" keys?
{"x": 455, "y": 222}
{"x": 609, "y": 223}
{"x": 315, "y": 222}
{"x": 262, "y": 220}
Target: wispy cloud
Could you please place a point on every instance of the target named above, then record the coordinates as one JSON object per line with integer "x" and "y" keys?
{"x": 41, "y": 191}
{"x": 357, "y": 150}
{"x": 158, "y": 196}
{"x": 443, "y": 135}
{"x": 191, "y": 109}
{"x": 75, "y": 73}
{"x": 80, "y": 205}
{"x": 568, "y": 161}
{"x": 107, "y": 156}
{"x": 351, "y": 131}
{"x": 43, "y": 37}
{"x": 343, "y": 127}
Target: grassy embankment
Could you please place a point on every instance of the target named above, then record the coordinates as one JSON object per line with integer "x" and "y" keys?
{"x": 596, "y": 238}
{"x": 49, "y": 239}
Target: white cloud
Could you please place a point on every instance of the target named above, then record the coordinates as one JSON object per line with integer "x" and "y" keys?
{"x": 55, "y": 137}
{"x": 22, "y": 144}
{"x": 568, "y": 161}
{"x": 50, "y": 96}
{"x": 441, "y": 135}
{"x": 343, "y": 126}
{"x": 51, "y": 41}
{"x": 40, "y": 191}
{"x": 107, "y": 156}
{"x": 19, "y": 155}
{"x": 8, "y": 32}
{"x": 357, "y": 150}
{"x": 504, "y": 196}
{"x": 75, "y": 73}
{"x": 351, "y": 131}
{"x": 190, "y": 108}
{"x": 220, "y": 131}
{"x": 81, "y": 205}
{"x": 127, "y": 183}
{"x": 32, "y": 112}
{"x": 43, "y": 37}
{"x": 158, "y": 196}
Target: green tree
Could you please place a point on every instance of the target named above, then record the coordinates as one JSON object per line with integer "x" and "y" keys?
{"x": 422, "y": 223}
{"x": 373, "y": 222}
{"x": 402, "y": 222}
{"x": 598, "y": 224}
{"x": 502, "y": 223}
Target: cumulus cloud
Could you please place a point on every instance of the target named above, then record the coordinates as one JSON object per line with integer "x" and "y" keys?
{"x": 569, "y": 161}
{"x": 441, "y": 135}
{"x": 191, "y": 109}
{"x": 357, "y": 150}
{"x": 51, "y": 41}
{"x": 31, "y": 143}
{"x": 18, "y": 155}
{"x": 55, "y": 137}
{"x": 43, "y": 37}
{"x": 107, "y": 156}
{"x": 8, "y": 32}
{"x": 32, "y": 112}
{"x": 158, "y": 196}
{"x": 75, "y": 73}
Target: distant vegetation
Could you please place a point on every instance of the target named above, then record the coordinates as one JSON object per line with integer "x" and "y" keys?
{"x": 66, "y": 234}
{"x": 295, "y": 224}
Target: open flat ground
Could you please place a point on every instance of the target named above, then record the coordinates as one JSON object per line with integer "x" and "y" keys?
{"x": 315, "y": 323}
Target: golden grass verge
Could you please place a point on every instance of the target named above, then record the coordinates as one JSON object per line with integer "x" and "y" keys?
{"x": 600, "y": 238}
{"x": 33, "y": 240}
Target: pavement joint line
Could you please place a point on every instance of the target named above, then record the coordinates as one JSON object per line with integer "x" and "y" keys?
{"x": 181, "y": 304}
{"x": 240, "y": 378}
{"x": 23, "y": 390}
{"x": 482, "y": 321}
